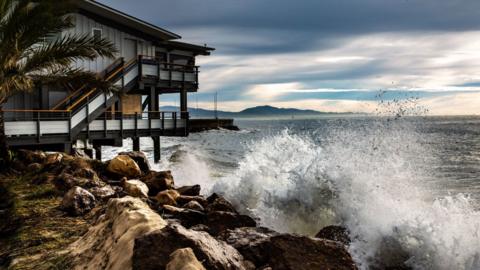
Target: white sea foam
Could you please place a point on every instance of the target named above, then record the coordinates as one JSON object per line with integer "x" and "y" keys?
{"x": 374, "y": 179}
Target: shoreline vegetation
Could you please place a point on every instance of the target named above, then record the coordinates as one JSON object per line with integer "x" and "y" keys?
{"x": 72, "y": 212}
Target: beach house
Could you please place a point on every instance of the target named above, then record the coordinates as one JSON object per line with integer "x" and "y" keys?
{"x": 150, "y": 62}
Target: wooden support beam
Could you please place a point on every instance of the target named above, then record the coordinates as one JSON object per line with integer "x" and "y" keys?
{"x": 136, "y": 144}
{"x": 156, "y": 149}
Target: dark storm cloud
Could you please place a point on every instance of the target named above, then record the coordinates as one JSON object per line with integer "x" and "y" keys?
{"x": 311, "y": 16}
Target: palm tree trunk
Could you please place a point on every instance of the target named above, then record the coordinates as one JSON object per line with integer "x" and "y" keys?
{"x": 4, "y": 152}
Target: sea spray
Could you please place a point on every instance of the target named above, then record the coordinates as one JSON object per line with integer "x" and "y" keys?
{"x": 373, "y": 177}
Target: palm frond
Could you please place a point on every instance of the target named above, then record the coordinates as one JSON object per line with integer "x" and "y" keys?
{"x": 64, "y": 52}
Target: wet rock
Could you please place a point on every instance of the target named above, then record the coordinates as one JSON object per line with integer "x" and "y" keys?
{"x": 218, "y": 203}
{"x": 34, "y": 167}
{"x": 124, "y": 166}
{"x": 220, "y": 221}
{"x": 158, "y": 181}
{"x": 109, "y": 243}
{"x": 77, "y": 201}
{"x": 135, "y": 188}
{"x": 194, "y": 205}
{"x": 177, "y": 156}
{"x": 167, "y": 197}
{"x": 335, "y": 233}
{"x": 269, "y": 249}
{"x": 248, "y": 241}
{"x": 140, "y": 159}
{"x": 186, "y": 217}
{"x": 291, "y": 252}
{"x": 65, "y": 182}
{"x": 103, "y": 193}
{"x": 189, "y": 190}
{"x": 184, "y": 259}
{"x": 215, "y": 255}
{"x": 391, "y": 255}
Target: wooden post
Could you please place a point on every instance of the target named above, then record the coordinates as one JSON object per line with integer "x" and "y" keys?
{"x": 136, "y": 144}
{"x": 156, "y": 149}
{"x": 98, "y": 152}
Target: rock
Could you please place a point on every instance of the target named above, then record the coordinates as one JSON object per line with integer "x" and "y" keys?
{"x": 189, "y": 190}
{"x": 269, "y": 249}
{"x": 158, "y": 181}
{"x": 167, "y": 197}
{"x": 135, "y": 188}
{"x": 124, "y": 166}
{"x": 248, "y": 241}
{"x": 218, "y": 203}
{"x": 215, "y": 255}
{"x": 78, "y": 201}
{"x": 182, "y": 199}
{"x": 186, "y": 217}
{"x": 200, "y": 227}
{"x": 103, "y": 193}
{"x": 28, "y": 156}
{"x": 177, "y": 156}
{"x": 53, "y": 159}
{"x": 65, "y": 182}
{"x": 291, "y": 252}
{"x": 184, "y": 259}
{"x": 194, "y": 205}
{"x": 140, "y": 159}
{"x": 220, "y": 221}
{"x": 34, "y": 167}
{"x": 335, "y": 233}
{"x": 86, "y": 173}
{"x": 109, "y": 243}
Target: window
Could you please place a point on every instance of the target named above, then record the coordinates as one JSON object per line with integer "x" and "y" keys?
{"x": 97, "y": 33}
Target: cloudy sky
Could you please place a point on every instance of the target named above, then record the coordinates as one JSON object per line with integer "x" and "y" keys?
{"x": 329, "y": 55}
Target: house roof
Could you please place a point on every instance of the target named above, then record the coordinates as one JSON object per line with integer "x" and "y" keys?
{"x": 202, "y": 50}
{"x": 126, "y": 20}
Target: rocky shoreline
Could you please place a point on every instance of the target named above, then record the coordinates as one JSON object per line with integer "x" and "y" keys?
{"x": 139, "y": 219}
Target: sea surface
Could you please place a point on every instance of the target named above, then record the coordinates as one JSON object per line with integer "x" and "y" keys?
{"x": 407, "y": 188}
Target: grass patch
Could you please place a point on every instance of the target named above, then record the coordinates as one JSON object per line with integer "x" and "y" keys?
{"x": 45, "y": 231}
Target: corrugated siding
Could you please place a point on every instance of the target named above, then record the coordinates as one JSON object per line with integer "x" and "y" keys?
{"x": 84, "y": 25}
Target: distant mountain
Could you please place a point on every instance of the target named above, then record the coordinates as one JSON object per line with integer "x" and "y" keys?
{"x": 260, "y": 111}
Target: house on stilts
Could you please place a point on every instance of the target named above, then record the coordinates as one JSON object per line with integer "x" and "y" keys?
{"x": 150, "y": 62}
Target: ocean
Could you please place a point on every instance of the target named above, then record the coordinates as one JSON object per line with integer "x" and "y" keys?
{"x": 407, "y": 188}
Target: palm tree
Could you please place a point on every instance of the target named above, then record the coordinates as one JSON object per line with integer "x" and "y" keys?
{"x": 27, "y": 59}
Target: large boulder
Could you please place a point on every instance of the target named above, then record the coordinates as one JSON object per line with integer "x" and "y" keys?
{"x": 218, "y": 203}
{"x": 215, "y": 255}
{"x": 66, "y": 181}
{"x": 34, "y": 167}
{"x": 140, "y": 158}
{"x": 158, "y": 181}
{"x": 103, "y": 193}
{"x": 220, "y": 221}
{"x": 124, "y": 166}
{"x": 184, "y": 259}
{"x": 249, "y": 242}
{"x": 189, "y": 190}
{"x": 77, "y": 201}
{"x": 265, "y": 247}
{"x": 187, "y": 217}
{"x": 183, "y": 199}
{"x": 167, "y": 197}
{"x": 135, "y": 188}
{"x": 335, "y": 233}
{"x": 109, "y": 243}
{"x": 194, "y": 205}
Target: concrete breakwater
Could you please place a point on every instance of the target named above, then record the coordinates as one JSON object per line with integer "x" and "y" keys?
{"x": 198, "y": 125}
